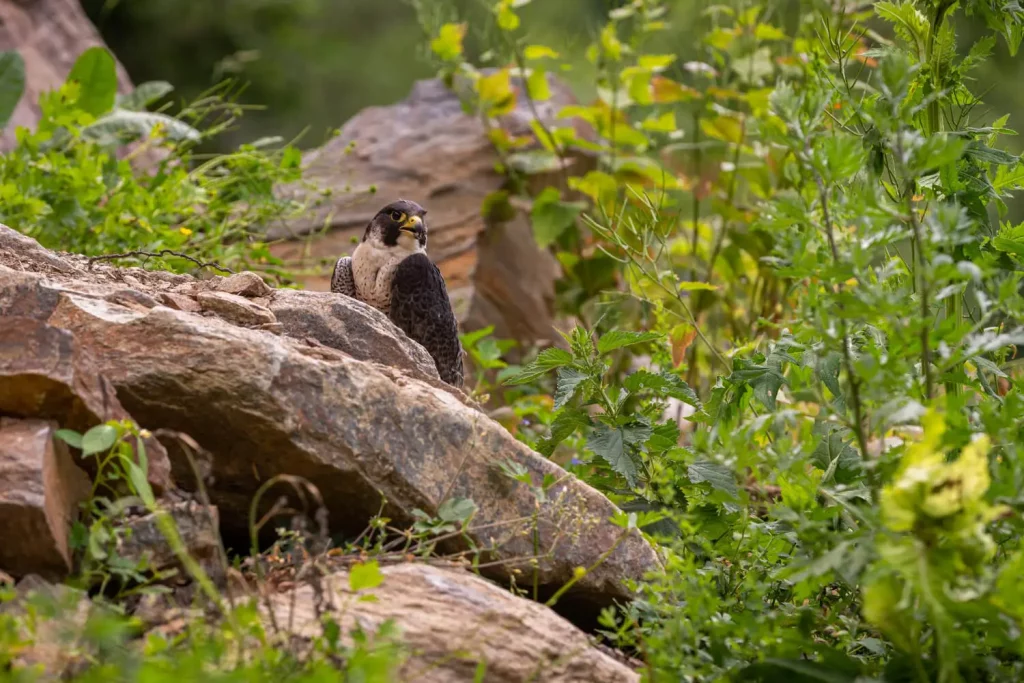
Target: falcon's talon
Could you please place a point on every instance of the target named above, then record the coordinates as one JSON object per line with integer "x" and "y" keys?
{"x": 390, "y": 271}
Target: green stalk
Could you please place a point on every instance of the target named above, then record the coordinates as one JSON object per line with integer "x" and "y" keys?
{"x": 954, "y": 305}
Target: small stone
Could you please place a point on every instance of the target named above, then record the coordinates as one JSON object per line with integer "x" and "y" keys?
{"x": 235, "y": 309}
{"x": 180, "y": 302}
{"x": 246, "y": 283}
{"x": 132, "y": 299}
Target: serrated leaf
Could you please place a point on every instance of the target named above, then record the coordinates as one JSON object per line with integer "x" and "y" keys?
{"x": 548, "y": 360}
{"x": 12, "y": 84}
{"x": 982, "y": 152}
{"x": 765, "y": 380}
{"x": 144, "y": 95}
{"x": 569, "y": 380}
{"x": 663, "y": 437}
{"x": 563, "y": 426}
{"x": 98, "y": 439}
{"x": 1009, "y": 178}
{"x": 365, "y": 575}
{"x": 96, "y": 74}
{"x": 719, "y": 476}
{"x": 617, "y": 339}
{"x": 663, "y": 384}
{"x": 610, "y": 445}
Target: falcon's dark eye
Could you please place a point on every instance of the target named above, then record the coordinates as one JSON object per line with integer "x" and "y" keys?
{"x": 396, "y": 215}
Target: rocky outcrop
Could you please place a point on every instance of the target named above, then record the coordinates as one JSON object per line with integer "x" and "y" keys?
{"x": 428, "y": 149}
{"x": 452, "y": 624}
{"x": 337, "y": 396}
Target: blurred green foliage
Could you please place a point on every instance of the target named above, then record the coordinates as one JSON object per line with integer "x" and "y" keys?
{"x": 310, "y": 65}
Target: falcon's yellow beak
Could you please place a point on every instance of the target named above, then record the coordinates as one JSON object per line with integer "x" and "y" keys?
{"x": 411, "y": 223}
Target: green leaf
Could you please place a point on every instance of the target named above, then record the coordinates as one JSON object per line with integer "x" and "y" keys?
{"x": 844, "y": 156}
{"x": 144, "y": 95}
{"x": 448, "y": 44}
{"x": 551, "y": 216}
{"x": 765, "y": 380}
{"x": 1010, "y": 239}
{"x": 719, "y": 476}
{"x": 664, "y": 384}
{"x": 569, "y": 380}
{"x": 1009, "y": 178}
{"x": 122, "y": 125}
{"x": 768, "y": 32}
{"x": 548, "y": 360}
{"x": 563, "y": 426}
{"x": 456, "y": 509}
{"x": 909, "y": 23}
{"x": 617, "y": 339}
{"x": 365, "y": 575}
{"x": 610, "y": 444}
{"x": 70, "y": 437}
{"x": 695, "y": 287}
{"x": 12, "y": 84}
{"x": 539, "y": 52}
{"x": 985, "y": 154}
{"x": 537, "y": 86}
{"x": 137, "y": 477}
{"x": 96, "y": 74}
{"x": 98, "y": 439}
{"x": 471, "y": 338}
{"x": 937, "y": 151}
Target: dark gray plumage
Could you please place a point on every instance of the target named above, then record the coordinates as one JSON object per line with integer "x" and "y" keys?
{"x": 420, "y": 307}
{"x": 390, "y": 271}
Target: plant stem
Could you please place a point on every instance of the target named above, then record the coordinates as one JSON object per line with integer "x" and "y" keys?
{"x": 855, "y": 399}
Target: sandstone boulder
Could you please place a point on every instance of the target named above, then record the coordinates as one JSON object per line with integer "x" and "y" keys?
{"x": 452, "y": 624}
{"x": 427, "y": 149}
{"x": 40, "y": 490}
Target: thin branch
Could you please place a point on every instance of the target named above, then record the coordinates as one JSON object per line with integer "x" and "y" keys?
{"x": 154, "y": 254}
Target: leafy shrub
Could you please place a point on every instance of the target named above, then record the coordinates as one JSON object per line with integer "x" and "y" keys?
{"x": 73, "y": 184}
{"x": 804, "y": 229}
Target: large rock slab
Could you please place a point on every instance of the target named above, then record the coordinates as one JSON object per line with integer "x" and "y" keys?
{"x": 40, "y": 490}
{"x": 44, "y": 374}
{"x": 450, "y": 622}
{"x": 428, "y": 149}
{"x": 261, "y": 404}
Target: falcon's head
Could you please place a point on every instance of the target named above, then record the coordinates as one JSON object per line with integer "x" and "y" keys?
{"x": 400, "y": 226}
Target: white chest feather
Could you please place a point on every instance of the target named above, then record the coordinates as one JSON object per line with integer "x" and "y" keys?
{"x": 373, "y": 266}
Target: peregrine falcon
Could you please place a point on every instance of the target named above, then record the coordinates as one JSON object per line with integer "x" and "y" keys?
{"x": 390, "y": 271}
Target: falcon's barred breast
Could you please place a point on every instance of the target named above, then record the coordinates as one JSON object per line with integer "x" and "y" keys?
{"x": 390, "y": 271}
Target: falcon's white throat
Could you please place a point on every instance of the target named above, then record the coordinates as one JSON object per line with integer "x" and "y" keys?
{"x": 374, "y": 264}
